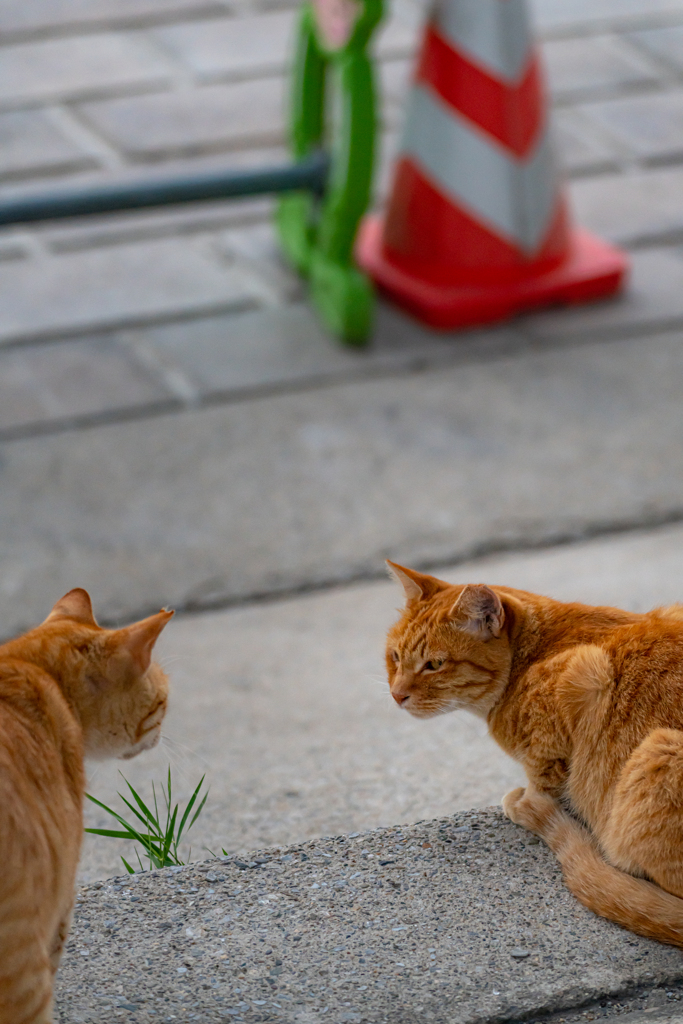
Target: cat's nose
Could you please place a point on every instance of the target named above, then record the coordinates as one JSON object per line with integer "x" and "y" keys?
{"x": 399, "y": 696}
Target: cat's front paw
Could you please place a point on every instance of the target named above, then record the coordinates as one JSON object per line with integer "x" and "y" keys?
{"x": 530, "y": 809}
{"x": 510, "y": 803}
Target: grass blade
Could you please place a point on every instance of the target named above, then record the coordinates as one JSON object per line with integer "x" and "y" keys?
{"x": 139, "y": 801}
{"x": 190, "y": 805}
{"x": 114, "y": 835}
{"x": 197, "y": 812}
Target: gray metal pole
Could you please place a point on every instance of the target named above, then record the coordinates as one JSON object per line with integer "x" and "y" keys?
{"x": 310, "y": 174}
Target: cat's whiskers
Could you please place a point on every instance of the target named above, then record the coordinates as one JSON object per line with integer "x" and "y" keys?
{"x": 182, "y": 758}
{"x": 170, "y": 659}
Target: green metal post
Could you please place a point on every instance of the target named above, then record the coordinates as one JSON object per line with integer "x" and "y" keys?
{"x": 318, "y": 236}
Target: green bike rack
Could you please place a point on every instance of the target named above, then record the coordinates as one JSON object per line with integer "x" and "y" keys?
{"x": 333, "y": 105}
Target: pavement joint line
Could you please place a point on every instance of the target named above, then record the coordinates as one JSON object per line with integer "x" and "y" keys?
{"x": 83, "y": 421}
{"x": 94, "y": 94}
{"x": 80, "y": 233}
{"x": 187, "y": 395}
{"x": 619, "y": 24}
{"x": 598, "y": 93}
{"x": 131, "y": 322}
{"x": 162, "y": 369}
{"x": 155, "y": 19}
{"x": 549, "y": 541}
{"x": 68, "y": 122}
{"x": 614, "y": 1010}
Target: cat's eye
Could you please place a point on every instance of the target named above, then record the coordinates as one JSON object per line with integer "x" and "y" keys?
{"x": 435, "y": 665}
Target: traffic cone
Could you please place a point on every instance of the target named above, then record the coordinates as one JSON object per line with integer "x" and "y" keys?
{"x": 477, "y": 227}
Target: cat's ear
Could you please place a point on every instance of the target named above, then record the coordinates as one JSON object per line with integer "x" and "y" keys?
{"x": 140, "y": 638}
{"x": 478, "y": 611}
{"x": 74, "y": 605}
{"x": 417, "y": 586}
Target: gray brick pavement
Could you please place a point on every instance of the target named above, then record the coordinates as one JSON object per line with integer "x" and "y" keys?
{"x": 217, "y": 117}
{"x": 394, "y": 85}
{"x": 117, "y": 285}
{"x": 80, "y": 68}
{"x": 31, "y": 144}
{"x": 581, "y": 147}
{"x": 22, "y": 19}
{"x": 73, "y": 379}
{"x": 636, "y": 209}
{"x": 206, "y": 78}
{"x": 651, "y": 126}
{"x": 602, "y": 65}
{"x": 663, "y": 43}
{"x": 653, "y": 301}
{"x": 232, "y": 48}
{"x": 582, "y": 16}
{"x": 399, "y": 34}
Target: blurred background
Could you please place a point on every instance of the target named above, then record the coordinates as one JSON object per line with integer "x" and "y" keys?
{"x": 176, "y": 428}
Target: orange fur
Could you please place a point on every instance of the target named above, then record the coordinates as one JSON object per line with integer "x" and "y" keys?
{"x": 67, "y": 688}
{"x": 590, "y": 701}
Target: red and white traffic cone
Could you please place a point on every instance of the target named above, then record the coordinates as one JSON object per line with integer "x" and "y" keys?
{"x": 477, "y": 226}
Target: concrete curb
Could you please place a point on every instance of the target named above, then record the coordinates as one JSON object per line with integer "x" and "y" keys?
{"x": 458, "y": 920}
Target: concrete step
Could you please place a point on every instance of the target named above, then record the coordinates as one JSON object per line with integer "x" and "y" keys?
{"x": 455, "y": 921}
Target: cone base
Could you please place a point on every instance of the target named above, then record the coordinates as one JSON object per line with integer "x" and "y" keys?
{"x": 592, "y": 270}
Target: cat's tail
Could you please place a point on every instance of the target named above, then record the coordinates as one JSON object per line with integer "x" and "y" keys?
{"x": 634, "y": 903}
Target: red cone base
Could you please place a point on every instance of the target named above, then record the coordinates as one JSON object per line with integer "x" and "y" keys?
{"x": 592, "y": 270}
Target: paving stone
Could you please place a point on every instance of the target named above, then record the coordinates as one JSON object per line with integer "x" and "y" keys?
{"x": 159, "y": 222}
{"x": 215, "y": 117}
{"x": 642, "y": 207}
{"x": 83, "y": 67}
{"x": 73, "y": 378}
{"x": 652, "y": 300}
{"x": 32, "y": 145}
{"x": 581, "y": 147}
{"x": 652, "y": 126}
{"x": 663, "y": 42}
{"x": 579, "y": 15}
{"x": 394, "y": 83}
{"x": 257, "y": 247}
{"x": 320, "y": 485}
{"x": 233, "y": 47}
{"x": 35, "y": 18}
{"x": 277, "y": 347}
{"x": 14, "y": 248}
{"x": 117, "y": 285}
{"x": 400, "y": 33}
{"x": 579, "y": 68}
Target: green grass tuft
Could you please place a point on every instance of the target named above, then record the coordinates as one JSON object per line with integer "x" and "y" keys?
{"x": 159, "y": 838}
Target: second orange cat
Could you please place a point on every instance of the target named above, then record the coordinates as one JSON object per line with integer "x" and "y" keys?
{"x": 590, "y": 701}
{"x": 67, "y": 689}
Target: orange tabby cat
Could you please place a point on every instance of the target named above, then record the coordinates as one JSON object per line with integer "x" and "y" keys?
{"x": 67, "y": 688}
{"x": 590, "y": 702}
